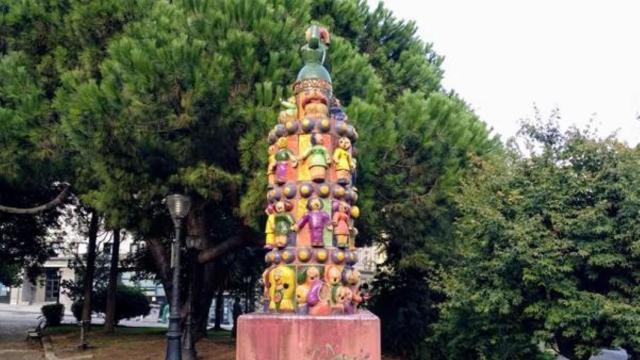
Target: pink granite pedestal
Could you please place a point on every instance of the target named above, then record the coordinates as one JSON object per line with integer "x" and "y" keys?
{"x": 295, "y": 337}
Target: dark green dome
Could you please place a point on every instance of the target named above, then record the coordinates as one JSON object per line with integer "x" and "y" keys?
{"x": 314, "y": 71}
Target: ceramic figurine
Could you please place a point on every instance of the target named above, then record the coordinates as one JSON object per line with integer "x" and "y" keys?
{"x": 302, "y": 292}
{"x": 319, "y": 298}
{"x": 341, "y": 227}
{"x": 344, "y": 301}
{"x": 283, "y": 222}
{"x": 311, "y": 275}
{"x": 352, "y": 279}
{"x": 332, "y": 275}
{"x": 336, "y": 111}
{"x": 354, "y": 234}
{"x": 290, "y": 110}
{"x": 281, "y": 289}
{"x": 271, "y": 166}
{"x": 270, "y": 228}
{"x": 317, "y": 220}
{"x": 266, "y": 297}
{"x": 283, "y": 157}
{"x": 318, "y": 158}
{"x": 343, "y": 160}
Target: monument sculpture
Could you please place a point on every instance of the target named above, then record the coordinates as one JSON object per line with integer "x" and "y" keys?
{"x": 309, "y": 232}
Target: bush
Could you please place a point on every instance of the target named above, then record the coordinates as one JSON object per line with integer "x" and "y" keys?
{"x": 76, "y": 309}
{"x": 130, "y": 302}
{"x": 53, "y": 313}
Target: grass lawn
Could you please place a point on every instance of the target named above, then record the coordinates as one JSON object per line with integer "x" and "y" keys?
{"x": 135, "y": 343}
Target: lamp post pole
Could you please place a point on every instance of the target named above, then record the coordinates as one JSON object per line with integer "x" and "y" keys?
{"x": 179, "y": 208}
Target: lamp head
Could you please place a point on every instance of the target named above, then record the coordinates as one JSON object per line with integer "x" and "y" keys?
{"x": 179, "y": 206}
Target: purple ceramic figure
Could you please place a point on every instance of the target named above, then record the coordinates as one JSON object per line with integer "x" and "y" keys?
{"x": 317, "y": 220}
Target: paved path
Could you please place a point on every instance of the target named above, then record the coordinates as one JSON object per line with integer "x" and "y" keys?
{"x": 20, "y": 354}
{"x": 607, "y": 355}
{"x": 14, "y": 326}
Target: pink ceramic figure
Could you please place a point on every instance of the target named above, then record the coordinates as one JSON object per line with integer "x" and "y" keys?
{"x": 341, "y": 227}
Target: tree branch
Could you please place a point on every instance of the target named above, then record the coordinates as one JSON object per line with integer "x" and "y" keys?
{"x": 160, "y": 258}
{"x": 215, "y": 252}
{"x": 34, "y": 210}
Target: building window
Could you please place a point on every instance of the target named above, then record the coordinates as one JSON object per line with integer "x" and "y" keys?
{"x": 52, "y": 285}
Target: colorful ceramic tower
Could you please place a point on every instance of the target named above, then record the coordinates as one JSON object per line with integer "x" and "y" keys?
{"x": 312, "y": 198}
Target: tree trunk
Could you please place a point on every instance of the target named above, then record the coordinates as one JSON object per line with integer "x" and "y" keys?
{"x": 162, "y": 262}
{"x": 219, "y": 305}
{"x": 204, "y": 299}
{"x": 110, "y": 315}
{"x": 188, "y": 332}
{"x": 88, "y": 278}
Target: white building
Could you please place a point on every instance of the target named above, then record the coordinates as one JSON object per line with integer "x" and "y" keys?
{"x": 46, "y": 288}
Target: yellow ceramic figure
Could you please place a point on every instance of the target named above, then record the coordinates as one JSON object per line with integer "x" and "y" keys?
{"x": 343, "y": 160}
{"x": 281, "y": 289}
{"x": 270, "y": 227}
{"x": 271, "y": 166}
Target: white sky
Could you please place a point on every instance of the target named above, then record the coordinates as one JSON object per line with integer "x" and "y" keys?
{"x": 505, "y": 56}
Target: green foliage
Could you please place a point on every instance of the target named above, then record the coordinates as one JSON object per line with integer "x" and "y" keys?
{"x": 130, "y": 302}
{"x": 42, "y": 43}
{"x": 438, "y": 139}
{"x": 547, "y": 246}
{"x": 53, "y": 313}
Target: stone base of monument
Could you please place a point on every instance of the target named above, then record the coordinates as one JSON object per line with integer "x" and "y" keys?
{"x": 293, "y": 337}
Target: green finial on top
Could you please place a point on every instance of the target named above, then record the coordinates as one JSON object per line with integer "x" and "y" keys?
{"x": 314, "y": 53}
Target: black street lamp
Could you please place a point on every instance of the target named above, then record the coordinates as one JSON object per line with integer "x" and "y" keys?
{"x": 179, "y": 208}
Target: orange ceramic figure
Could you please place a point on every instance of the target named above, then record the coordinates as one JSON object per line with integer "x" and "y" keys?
{"x": 265, "y": 288}
{"x": 341, "y": 228}
{"x": 332, "y": 275}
